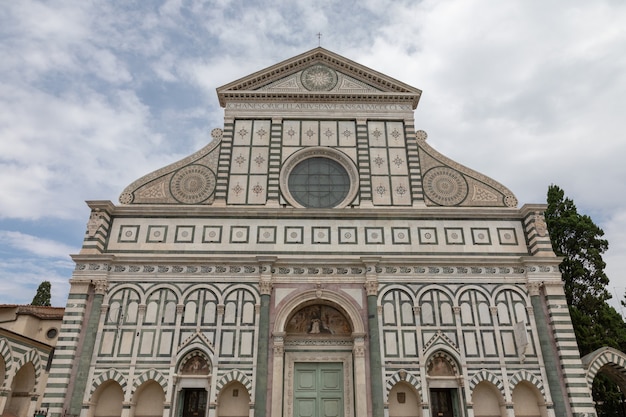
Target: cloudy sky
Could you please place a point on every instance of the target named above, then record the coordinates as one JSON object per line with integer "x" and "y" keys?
{"x": 94, "y": 94}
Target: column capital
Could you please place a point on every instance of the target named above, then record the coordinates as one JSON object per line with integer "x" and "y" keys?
{"x": 534, "y": 287}
{"x": 100, "y": 286}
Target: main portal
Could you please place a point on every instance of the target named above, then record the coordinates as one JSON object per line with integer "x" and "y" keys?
{"x": 318, "y": 389}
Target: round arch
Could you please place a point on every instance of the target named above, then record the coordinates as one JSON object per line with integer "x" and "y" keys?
{"x": 338, "y": 300}
{"x": 608, "y": 360}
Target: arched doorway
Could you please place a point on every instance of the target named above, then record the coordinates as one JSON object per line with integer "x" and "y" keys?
{"x": 192, "y": 385}
{"x": 606, "y": 374}
{"x": 319, "y": 357}
{"x": 444, "y": 383}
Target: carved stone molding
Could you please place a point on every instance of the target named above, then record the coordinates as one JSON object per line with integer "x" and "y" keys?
{"x": 370, "y": 270}
{"x": 540, "y": 224}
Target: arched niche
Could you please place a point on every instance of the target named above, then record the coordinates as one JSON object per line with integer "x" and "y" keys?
{"x": 336, "y": 300}
{"x": 317, "y": 320}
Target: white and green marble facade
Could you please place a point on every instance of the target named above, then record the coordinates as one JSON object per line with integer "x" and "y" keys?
{"x": 428, "y": 261}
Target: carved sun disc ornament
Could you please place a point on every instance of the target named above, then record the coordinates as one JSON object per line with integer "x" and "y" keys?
{"x": 192, "y": 184}
{"x": 319, "y": 78}
{"x": 445, "y": 186}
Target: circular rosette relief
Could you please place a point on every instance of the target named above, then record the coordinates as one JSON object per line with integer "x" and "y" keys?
{"x": 445, "y": 186}
{"x": 192, "y": 184}
{"x": 319, "y": 78}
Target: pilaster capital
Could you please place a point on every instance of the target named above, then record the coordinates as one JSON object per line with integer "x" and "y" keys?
{"x": 100, "y": 286}
{"x": 358, "y": 351}
{"x": 371, "y": 287}
{"x": 265, "y": 286}
{"x": 533, "y": 287}
{"x": 180, "y": 308}
{"x": 220, "y": 309}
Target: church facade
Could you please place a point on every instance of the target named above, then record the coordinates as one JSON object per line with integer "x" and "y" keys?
{"x": 317, "y": 258}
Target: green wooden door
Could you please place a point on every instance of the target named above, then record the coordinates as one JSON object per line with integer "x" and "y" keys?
{"x": 318, "y": 389}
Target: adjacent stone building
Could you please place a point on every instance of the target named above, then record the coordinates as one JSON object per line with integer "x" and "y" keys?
{"x": 28, "y": 335}
{"x": 317, "y": 258}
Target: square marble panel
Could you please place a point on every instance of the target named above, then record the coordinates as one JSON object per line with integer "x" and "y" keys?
{"x": 184, "y": 234}
{"x": 128, "y": 234}
{"x": 294, "y": 234}
{"x": 348, "y": 235}
{"x": 507, "y": 236}
{"x": 212, "y": 234}
{"x": 320, "y": 235}
{"x": 481, "y": 236}
{"x": 156, "y": 234}
{"x": 374, "y": 235}
{"x": 266, "y": 234}
{"x": 401, "y": 235}
{"x": 454, "y": 236}
{"x": 239, "y": 234}
{"x": 427, "y": 235}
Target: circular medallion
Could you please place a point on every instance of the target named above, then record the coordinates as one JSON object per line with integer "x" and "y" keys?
{"x": 192, "y": 184}
{"x": 445, "y": 186}
{"x": 319, "y": 78}
{"x": 217, "y": 133}
{"x": 126, "y": 198}
{"x": 510, "y": 201}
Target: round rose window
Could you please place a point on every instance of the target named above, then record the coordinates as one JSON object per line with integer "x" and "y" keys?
{"x": 319, "y": 183}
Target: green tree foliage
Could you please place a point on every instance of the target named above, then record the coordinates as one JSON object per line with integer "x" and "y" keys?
{"x": 579, "y": 241}
{"x": 42, "y": 298}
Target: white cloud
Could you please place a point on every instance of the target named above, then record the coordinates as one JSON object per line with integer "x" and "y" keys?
{"x": 36, "y": 245}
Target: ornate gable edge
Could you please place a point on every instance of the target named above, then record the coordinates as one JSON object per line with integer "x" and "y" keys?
{"x": 447, "y": 183}
{"x": 381, "y": 87}
{"x": 190, "y": 180}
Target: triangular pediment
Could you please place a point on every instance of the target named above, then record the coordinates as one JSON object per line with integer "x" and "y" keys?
{"x": 318, "y": 75}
